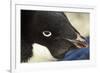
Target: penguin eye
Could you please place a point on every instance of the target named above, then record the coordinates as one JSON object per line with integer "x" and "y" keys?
{"x": 47, "y": 33}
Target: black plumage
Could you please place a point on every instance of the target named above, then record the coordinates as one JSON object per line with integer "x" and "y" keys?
{"x": 36, "y": 27}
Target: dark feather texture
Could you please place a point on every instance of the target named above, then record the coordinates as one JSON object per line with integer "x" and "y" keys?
{"x": 34, "y": 23}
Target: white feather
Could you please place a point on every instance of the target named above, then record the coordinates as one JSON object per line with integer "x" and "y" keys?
{"x": 41, "y": 54}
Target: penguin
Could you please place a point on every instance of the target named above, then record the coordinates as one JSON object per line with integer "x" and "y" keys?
{"x": 47, "y": 36}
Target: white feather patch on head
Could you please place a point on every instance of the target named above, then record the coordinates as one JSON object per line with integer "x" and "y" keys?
{"x": 41, "y": 54}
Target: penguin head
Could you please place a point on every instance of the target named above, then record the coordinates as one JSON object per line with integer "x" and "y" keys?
{"x": 53, "y": 30}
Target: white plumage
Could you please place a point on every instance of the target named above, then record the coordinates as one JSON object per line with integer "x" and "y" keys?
{"x": 41, "y": 54}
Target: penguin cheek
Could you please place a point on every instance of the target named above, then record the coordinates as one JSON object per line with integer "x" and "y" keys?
{"x": 59, "y": 48}
{"x": 59, "y": 53}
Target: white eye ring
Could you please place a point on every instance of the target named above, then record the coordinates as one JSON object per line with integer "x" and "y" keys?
{"x": 47, "y": 33}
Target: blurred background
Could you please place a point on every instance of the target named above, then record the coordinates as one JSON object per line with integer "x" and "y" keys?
{"x": 80, "y": 21}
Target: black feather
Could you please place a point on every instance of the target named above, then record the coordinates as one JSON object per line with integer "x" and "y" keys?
{"x": 33, "y": 23}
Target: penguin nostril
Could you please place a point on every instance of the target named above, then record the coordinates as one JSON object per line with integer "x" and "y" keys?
{"x": 47, "y": 33}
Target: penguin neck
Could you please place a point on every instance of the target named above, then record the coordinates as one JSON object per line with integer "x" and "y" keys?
{"x": 41, "y": 54}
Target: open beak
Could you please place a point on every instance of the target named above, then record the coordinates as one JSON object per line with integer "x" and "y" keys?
{"x": 80, "y": 42}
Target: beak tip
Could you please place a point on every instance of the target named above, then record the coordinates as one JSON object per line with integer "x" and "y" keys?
{"x": 82, "y": 44}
